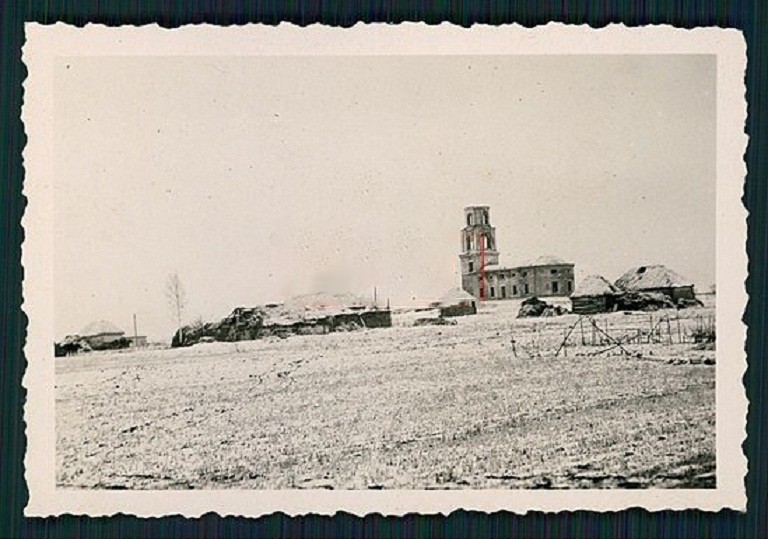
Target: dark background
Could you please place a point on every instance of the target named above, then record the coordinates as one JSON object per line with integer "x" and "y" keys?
{"x": 750, "y": 16}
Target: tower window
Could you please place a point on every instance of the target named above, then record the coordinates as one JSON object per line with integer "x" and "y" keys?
{"x": 469, "y": 219}
{"x": 503, "y": 292}
{"x": 570, "y": 286}
{"x": 471, "y": 267}
{"x": 527, "y": 290}
{"x": 554, "y": 287}
{"x": 514, "y": 290}
{"x": 469, "y": 244}
{"x": 493, "y": 292}
{"x": 553, "y": 272}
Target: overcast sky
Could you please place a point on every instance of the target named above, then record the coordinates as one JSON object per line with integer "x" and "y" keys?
{"x": 263, "y": 177}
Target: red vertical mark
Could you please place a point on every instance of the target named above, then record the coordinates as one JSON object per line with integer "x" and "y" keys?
{"x": 482, "y": 267}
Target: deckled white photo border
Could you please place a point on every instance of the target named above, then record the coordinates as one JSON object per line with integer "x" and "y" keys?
{"x": 45, "y": 43}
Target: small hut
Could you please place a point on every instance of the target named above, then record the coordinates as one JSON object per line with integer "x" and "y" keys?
{"x": 457, "y": 302}
{"x": 595, "y": 294}
{"x": 657, "y": 278}
{"x": 101, "y": 333}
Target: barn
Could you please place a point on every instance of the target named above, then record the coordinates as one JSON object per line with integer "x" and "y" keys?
{"x": 594, "y": 294}
{"x": 657, "y": 278}
{"x": 457, "y": 302}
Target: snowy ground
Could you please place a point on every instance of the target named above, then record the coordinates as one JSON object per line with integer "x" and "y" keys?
{"x": 402, "y": 407}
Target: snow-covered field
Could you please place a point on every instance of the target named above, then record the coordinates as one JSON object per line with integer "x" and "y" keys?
{"x": 402, "y": 407}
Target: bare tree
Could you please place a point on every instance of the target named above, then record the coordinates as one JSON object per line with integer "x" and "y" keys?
{"x": 177, "y": 298}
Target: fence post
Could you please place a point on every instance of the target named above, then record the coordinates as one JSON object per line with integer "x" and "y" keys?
{"x": 669, "y": 331}
{"x": 565, "y": 342}
{"x": 650, "y": 326}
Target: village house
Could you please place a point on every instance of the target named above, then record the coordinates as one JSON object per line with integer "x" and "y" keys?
{"x": 657, "y": 278}
{"x": 457, "y": 302}
{"x": 101, "y": 333}
{"x": 484, "y": 278}
{"x": 594, "y": 294}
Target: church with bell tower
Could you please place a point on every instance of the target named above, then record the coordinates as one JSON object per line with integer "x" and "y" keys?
{"x": 478, "y": 247}
{"x": 482, "y": 276}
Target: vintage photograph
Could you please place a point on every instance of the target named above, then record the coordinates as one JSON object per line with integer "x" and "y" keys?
{"x": 326, "y": 272}
{"x": 376, "y": 273}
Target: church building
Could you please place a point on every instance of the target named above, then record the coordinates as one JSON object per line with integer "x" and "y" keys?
{"x": 485, "y": 279}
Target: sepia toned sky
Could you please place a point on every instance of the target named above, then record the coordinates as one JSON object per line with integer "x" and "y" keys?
{"x": 258, "y": 178}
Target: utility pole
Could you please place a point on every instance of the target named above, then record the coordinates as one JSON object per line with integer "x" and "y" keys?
{"x": 375, "y": 297}
{"x": 135, "y": 333}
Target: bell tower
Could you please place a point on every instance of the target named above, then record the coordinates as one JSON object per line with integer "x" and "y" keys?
{"x": 478, "y": 250}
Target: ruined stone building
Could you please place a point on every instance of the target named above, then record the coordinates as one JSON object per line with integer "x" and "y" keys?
{"x": 484, "y": 278}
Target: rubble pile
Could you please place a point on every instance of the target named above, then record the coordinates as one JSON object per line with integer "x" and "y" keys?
{"x": 434, "y": 321}
{"x": 246, "y": 324}
{"x": 643, "y": 301}
{"x": 75, "y": 344}
{"x": 532, "y": 307}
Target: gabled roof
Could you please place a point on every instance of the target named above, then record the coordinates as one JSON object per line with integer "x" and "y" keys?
{"x": 101, "y": 327}
{"x": 594, "y": 285}
{"x": 455, "y": 296}
{"x": 651, "y": 277}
